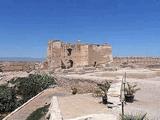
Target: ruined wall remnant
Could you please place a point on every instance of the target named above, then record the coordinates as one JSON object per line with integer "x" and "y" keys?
{"x": 65, "y": 56}
{"x": 141, "y": 61}
{"x": 7, "y": 66}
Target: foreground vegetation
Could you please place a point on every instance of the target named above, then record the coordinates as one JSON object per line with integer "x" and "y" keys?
{"x": 133, "y": 117}
{"x": 8, "y": 101}
{"x": 20, "y": 90}
{"x": 39, "y": 113}
{"x": 27, "y": 87}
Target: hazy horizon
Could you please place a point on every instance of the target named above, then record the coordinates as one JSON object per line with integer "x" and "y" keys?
{"x": 132, "y": 28}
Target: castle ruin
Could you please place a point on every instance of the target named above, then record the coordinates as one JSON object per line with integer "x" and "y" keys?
{"x": 66, "y": 55}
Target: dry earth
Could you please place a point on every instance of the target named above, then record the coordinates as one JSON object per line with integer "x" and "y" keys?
{"x": 80, "y": 105}
{"x": 147, "y": 99}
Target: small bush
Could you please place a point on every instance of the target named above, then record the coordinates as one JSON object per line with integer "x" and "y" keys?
{"x": 131, "y": 88}
{"x": 28, "y": 87}
{"x": 39, "y": 113}
{"x": 25, "y": 88}
{"x": 104, "y": 87}
{"x": 8, "y": 101}
{"x": 98, "y": 93}
{"x": 133, "y": 117}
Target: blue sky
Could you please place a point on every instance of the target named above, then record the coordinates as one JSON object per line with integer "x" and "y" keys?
{"x": 132, "y": 27}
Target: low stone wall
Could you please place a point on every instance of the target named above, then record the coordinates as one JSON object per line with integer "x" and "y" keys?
{"x": 54, "y": 112}
{"x": 18, "y": 66}
{"x": 83, "y": 86}
{"x": 22, "y": 106}
{"x": 141, "y": 61}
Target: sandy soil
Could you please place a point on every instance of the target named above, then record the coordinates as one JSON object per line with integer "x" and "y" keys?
{"x": 147, "y": 100}
{"x": 80, "y": 105}
{"x": 131, "y": 73}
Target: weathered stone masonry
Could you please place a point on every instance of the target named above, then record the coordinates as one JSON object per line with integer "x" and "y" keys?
{"x": 143, "y": 61}
{"x": 62, "y": 55}
{"x": 18, "y": 66}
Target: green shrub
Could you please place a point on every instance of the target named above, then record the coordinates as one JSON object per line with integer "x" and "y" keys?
{"x": 8, "y": 101}
{"x": 39, "y": 113}
{"x": 28, "y": 87}
{"x": 98, "y": 93}
{"x": 104, "y": 87}
{"x": 24, "y": 88}
{"x": 130, "y": 89}
{"x": 133, "y": 117}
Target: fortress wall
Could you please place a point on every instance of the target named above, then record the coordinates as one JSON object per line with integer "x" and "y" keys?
{"x": 100, "y": 54}
{"x": 18, "y": 66}
{"x": 144, "y": 61}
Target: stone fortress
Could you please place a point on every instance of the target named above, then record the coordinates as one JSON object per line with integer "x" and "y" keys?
{"x": 66, "y": 55}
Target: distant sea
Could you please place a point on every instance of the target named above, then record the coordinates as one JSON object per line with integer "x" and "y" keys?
{"x": 21, "y": 59}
